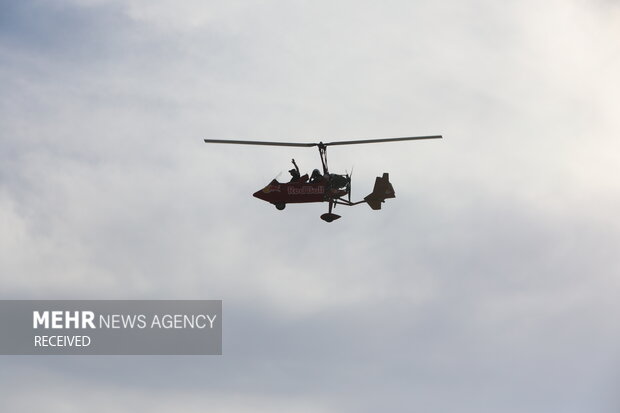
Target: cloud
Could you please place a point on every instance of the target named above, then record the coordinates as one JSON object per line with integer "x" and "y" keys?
{"x": 485, "y": 285}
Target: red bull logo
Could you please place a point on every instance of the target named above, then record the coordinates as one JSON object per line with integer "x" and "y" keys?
{"x": 306, "y": 190}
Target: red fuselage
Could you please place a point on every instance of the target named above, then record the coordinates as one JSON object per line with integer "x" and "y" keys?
{"x": 301, "y": 191}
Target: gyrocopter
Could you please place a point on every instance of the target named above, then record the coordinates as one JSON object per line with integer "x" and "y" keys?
{"x": 335, "y": 189}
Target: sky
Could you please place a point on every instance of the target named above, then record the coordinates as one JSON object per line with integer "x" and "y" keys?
{"x": 489, "y": 284}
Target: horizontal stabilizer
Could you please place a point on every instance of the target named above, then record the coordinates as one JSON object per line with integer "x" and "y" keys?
{"x": 383, "y": 189}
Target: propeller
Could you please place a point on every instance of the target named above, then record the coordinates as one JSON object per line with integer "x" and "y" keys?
{"x": 349, "y": 177}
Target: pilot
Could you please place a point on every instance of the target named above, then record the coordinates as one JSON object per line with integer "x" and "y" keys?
{"x": 294, "y": 173}
{"x": 316, "y": 176}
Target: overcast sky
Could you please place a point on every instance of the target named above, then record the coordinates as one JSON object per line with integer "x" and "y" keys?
{"x": 489, "y": 284}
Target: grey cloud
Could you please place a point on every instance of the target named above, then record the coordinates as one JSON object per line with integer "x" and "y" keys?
{"x": 62, "y": 32}
{"x": 488, "y": 284}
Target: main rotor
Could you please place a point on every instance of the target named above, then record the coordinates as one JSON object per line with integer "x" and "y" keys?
{"x": 320, "y": 145}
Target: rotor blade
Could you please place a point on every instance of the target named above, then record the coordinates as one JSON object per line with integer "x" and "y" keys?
{"x": 412, "y": 138}
{"x": 234, "y": 142}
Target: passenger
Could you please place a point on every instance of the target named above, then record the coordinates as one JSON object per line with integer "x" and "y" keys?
{"x": 294, "y": 173}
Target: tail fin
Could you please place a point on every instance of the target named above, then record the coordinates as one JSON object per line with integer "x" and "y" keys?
{"x": 383, "y": 189}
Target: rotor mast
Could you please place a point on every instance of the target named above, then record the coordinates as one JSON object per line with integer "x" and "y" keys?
{"x": 323, "y": 154}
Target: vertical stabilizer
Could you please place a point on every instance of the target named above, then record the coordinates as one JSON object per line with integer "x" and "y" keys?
{"x": 383, "y": 189}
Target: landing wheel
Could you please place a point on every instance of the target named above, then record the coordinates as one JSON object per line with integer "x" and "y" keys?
{"x": 329, "y": 217}
{"x": 280, "y": 206}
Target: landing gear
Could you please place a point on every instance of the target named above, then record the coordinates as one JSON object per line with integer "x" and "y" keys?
{"x": 329, "y": 217}
{"x": 280, "y": 206}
